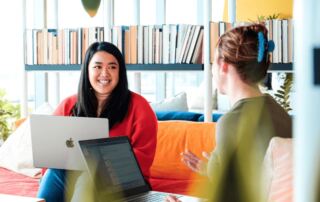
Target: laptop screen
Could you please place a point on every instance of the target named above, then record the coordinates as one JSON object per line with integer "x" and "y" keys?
{"x": 112, "y": 166}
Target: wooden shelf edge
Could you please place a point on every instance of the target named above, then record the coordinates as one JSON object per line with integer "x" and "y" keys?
{"x": 149, "y": 67}
{"x": 287, "y": 67}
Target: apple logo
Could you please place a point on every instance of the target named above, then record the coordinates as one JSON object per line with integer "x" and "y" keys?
{"x": 69, "y": 143}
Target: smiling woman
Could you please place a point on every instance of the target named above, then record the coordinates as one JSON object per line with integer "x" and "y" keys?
{"x": 103, "y": 92}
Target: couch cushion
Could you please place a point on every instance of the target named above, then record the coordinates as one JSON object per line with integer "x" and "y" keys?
{"x": 195, "y": 97}
{"x": 168, "y": 173}
{"x": 279, "y": 167}
{"x": 215, "y": 117}
{"x": 176, "y": 103}
{"x": 177, "y": 115}
{"x": 16, "y": 152}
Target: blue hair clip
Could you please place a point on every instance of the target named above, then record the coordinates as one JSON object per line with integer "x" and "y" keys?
{"x": 260, "y": 46}
{"x": 270, "y": 46}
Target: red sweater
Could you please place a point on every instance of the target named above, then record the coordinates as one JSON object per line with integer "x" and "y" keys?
{"x": 140, "y": 125}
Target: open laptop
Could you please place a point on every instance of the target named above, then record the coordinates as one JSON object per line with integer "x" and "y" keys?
{"x": 113, "y": 168}
{"x": 54, "y": 139}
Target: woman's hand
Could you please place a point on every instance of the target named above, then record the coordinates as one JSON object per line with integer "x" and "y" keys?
{"x": 171, "y": 198}
{"x": 194, "y": 162}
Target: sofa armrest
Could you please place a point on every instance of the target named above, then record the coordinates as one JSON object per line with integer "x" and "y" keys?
{"x": 167, "y": 172}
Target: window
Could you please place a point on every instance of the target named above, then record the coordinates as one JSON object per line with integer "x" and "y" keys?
{"x": 187, "y": 12}
{"x": 11, "y": 49}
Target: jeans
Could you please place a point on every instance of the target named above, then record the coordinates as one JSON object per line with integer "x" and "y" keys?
{"x": 58, "y": 185}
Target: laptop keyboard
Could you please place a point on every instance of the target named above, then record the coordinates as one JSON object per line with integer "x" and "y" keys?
{"x": 151, "y": 197}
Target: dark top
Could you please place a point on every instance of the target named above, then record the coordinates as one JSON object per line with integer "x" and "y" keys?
{"x": 243, "y": 135}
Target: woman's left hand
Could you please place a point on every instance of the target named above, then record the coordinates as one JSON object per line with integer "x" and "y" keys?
{"x": 194, "y": 162}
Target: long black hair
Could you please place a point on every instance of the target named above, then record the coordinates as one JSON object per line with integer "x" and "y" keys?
{"x": 118, "y": 101}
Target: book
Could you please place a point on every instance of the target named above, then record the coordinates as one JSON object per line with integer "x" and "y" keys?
{"x": 192, "y": 46}
{"x": 127, "y": 46}
{"x": 85, "y": 41}
{"x": 187, "y": 48}
{"x": 157, "y": 45}
{"x": 151, "y": 44}
{"x": 35, "y": 48}
{"x": 51, "y": 45}
{"x": 66, "y": 45}
{"x": 39, "y": 38}
{"x": 275, "y": 55}
{"x": 44, "y": 46}
{"x": 285, "y": 58}
{"x": 279, "y": 41}
{"x": 173, "y": 43}
{"x": 73, "y": 46}
{"x": 184, "y": 43}
{"x": 290, "y": 40}
{"x": 269, "y": 27}
{"x": 166, "y": 43}
{"x": 79, "y": 46}
{"x": 133, "y": 30}
{"x": 181, "y": 32}
{"x": 197, "y": 56}
{"x": 145, "y": 44}
{"x": 140, "y": 44}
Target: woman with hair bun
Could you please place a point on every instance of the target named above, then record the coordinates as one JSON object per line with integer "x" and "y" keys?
{"x": 241, "y": 61}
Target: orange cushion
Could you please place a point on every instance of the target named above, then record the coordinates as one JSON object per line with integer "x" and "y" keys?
{"x": 18, "y": 122}
{"x": 173, "y": 138}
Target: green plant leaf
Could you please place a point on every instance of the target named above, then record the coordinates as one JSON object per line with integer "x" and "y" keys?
{"x": 281, "y": 92}
{"x": 278, "y": 96}
{"x": 286, "y": 105}
{"x": 287, "y": 96}
{"x": 274, "y": 16}
{"x": 91, "y": 6}
{"x": 9, "y": 112}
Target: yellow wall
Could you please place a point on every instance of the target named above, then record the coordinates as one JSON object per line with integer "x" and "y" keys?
{"x": 248, "y": 10}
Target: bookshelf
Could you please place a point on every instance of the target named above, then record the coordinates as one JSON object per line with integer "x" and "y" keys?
{"x": 162, "y": 68}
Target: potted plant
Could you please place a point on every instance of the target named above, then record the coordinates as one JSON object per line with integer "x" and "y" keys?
{"x": 8, "y": 114}
{"x": 283, "y": 94}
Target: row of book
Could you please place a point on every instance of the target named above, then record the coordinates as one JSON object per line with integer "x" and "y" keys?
{"x": 280, "y": 31}
{"x": 152, "y": 44}
{"x": 63, "y": 46}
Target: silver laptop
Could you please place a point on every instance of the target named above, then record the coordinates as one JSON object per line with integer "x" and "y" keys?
{"x": 54, "y": 139}
{"x": 113, "y": 168}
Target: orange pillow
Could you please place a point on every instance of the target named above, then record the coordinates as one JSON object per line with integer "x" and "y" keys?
{"x": 18, "y": 122}
{"x": 174, "y": 137}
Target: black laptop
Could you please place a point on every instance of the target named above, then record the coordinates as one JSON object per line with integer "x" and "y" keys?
{"x": 115, "y": 172}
